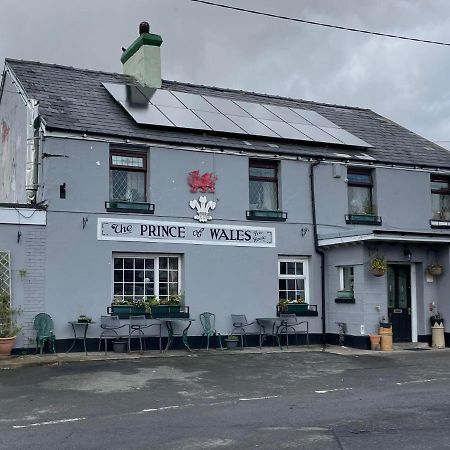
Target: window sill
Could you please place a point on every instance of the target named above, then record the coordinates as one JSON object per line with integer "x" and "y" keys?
{"x": 344, "y": 300}
{"x": 275, "y": 216}
{"x": 362, "y": 219}
{"x": 130, "y": 207}
{"x": 439, "y": 223}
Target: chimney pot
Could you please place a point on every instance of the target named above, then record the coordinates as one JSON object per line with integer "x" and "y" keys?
{"x": 144, "y": 27}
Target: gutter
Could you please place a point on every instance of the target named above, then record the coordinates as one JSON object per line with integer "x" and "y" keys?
{"x": 319, "y": 251}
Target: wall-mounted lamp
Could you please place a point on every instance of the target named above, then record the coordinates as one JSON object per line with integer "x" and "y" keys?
{"x": 85, "y": 221}
{"x": 407, "y": 253}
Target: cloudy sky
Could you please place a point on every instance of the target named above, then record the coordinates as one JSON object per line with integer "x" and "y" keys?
{"x": 405, "y": 81}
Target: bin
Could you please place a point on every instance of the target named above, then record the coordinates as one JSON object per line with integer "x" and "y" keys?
{"x": 386, "y": 342}
{"x": 375, "y": 342}
{"x": 437, "y": 336}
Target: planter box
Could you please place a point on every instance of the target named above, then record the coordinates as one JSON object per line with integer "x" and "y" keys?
{"x": 344, "y": 300}
{"x": 120, "y": 346}
{"x": 363, "y": 219}
{"x": 231, "y": 343}
{"x": 124, "y": 311}
{"x": 161, "y": 311}
{"x": 299, "y": 309}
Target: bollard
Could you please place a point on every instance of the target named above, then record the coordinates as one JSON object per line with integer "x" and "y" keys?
{"x": 437, "y": 336}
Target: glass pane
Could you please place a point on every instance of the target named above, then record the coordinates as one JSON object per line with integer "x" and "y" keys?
{"x": 118, "y": 275}
{"x": 149, "y": 289}
{"x": 219, "y": 122}
{"x": 173, "y": 275}
{"x": 402, "y": 290}
{"x": 391, "y": 287}
{"x": 441, "y": 206}
{"x": 148, "y": 115}
{"x": 315, "y": 118}
{"x": 149, "y": 276}
{"x": 118, "y": 263}
{"x": 139, "y": 289}
{"x": 173, "y": 263}
{"x": 257, "y": 110}
{"x": 128, "y": 288}
{"x": 163, "y": 275}
{"x": 266, "y": 172}
{"x": 184, "y": 118}
{"x": 263, "y": 195}
{"x": 282, "y": 295}
{"x": 118, "y": 289}
{"x": 285, "y": 130}
{"x": 149, "y": 263}
{"x": 348, "y": 278}
{"x": 300, "y": 284}
{"x": 299, "y": 268}
{"x": 128, "y": 263}
{"x": 359, "y": 178}
{"x": 163, "y": 289}
{"x": 162, "y": 97}
{"x": 195, "y": 102}
{"x": 127, "y": 186}
{"x": 283, "y": 268}
{"x": 359, "y": 200}
{"x": 139, "y": 263}
{"x": 286, "y": 114}
{"x": 129, "y": 161}
{"x": 226, "y": 106}
{"x": 291, "y": 268}
{"x": 252, "y": 126}
{"x": 128, "y": 276}
{"x": 292, "y": 295}
{"x": 163, "y": 263}
{"x": 139, "y": 276}
{"x": 291, "y": 285}
{"x": 436, "y": 185}
{"x": 314, "y": 133}
{"x": 173, "y": 288}
{"x": 282, "y": 285}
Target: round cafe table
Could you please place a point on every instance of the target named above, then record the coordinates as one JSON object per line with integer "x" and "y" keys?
{"x": 82, "y": 327}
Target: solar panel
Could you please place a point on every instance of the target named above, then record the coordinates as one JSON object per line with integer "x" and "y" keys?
{"x": 219, "y": 122}
{"x": 227, "y": 107}
{"x": 148, "y": 106}
{"x": 285, "y": 130}
{"x": 286, "y": 114}
{"x": 258, "y": 111}
{"x": 315, "y": 118}
{"x": 195, "y": 102}
{"x": 184, "y": 118}
{"x": 145, "y": 115}
{"x": 252, "y": 126}
{"x": 316, "y": 134}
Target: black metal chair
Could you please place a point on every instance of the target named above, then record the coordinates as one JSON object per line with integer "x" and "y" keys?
{"x": 109, "y": 325}
{"x": 137, "y": 325}
{"x": 239, "y": 324}
{"x": 290, "y": 322}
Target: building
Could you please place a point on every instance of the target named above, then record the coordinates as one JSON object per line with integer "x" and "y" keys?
{"x": 126, "y": 185}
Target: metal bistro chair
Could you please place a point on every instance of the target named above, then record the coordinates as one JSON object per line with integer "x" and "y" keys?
{"x": 138, "y": 324}
{"x": 109, "y": 325}
{"x": 208, "y": 321}
{"x": 43, "y": 324}
{"x": 290, "y": 322}
{"x": 268, "y": 327}
{"x": 239, "y": 324}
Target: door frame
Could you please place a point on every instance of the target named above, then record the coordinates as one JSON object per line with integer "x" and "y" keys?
{"x": 413, "y": 294}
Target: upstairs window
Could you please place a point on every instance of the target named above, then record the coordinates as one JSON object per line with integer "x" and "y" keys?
{"x": 127, "y": 176}
{"x": 360, "y": 185}
{"x": 263, "y": 185}
{"x": 440, "y": 198}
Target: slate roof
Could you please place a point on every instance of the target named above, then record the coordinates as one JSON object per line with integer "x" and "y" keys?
{"x": 74, "y": 100}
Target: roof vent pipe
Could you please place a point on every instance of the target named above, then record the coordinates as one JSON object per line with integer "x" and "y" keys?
{"x": 142, "y": 59}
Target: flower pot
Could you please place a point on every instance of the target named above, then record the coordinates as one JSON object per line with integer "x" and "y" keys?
{"x": 6, "y": 346}
{"x": 231, "y": 343}
{"x": 375, "y": 342}
{"x": 120, "y": 346}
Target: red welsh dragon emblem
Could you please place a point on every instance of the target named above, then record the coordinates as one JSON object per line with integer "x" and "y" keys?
{"x": 204, "y": 183}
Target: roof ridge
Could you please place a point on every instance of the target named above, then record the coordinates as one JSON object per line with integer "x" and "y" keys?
{"x": 180, "y": 83}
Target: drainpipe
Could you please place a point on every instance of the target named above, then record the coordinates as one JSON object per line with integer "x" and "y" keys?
{"x": 33, "y": 162}
{"x": 319, "y": 251}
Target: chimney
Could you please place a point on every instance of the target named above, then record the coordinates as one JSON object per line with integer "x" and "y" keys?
{"x": 142, "y": 59}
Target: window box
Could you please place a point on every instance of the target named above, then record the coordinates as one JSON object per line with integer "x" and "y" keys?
{"x": 133, "y": 207}
{"x": 125, "y": 311}
{"x": 363, "y": 219}
{"x": 259, "y": 214}
{"x": 344, "y": 300}
{"x": 299, "y": 309}
{"x": 162, "y": 311}
{"x": 345, "y": 294}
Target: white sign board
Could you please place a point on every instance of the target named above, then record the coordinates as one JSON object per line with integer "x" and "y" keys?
{"x": 187, "y": 233}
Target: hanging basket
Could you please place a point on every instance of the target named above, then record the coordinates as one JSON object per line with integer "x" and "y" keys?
{"x": 376, "y": 272}
{"x": 435, "y": 269}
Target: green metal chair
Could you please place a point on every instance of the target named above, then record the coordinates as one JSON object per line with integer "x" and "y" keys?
{"x": 43, "y": 324}
{"x": 208, "y": 321}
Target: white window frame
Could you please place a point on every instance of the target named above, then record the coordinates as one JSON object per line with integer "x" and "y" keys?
{"x": 156, "y": 257}
{"x": 305, "y": 276}
{"x": 341, "y": 278}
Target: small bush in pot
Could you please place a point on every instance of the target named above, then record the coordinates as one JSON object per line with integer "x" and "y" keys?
{"x": 378, "y": 266}
{"x": 232, "y": 341}
{"x": 9, "y": 328}
{"x": 435, "y": 269}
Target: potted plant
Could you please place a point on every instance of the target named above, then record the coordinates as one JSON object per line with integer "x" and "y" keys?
{"x": 8, "y": 325}
{"x": 170, "y": 307}
{"x": 378, "y": 266}
{"x": 84, "y": 319}
{"x": 436, "y": 319}
{"x": 435, "y": 269}
{"x": 120, "y": 345}
{"x": 231, "y": 341}
{"x": 123, "y": 307}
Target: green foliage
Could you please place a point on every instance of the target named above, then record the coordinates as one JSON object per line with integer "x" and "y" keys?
{"x": 232, "y": 337}
{"x": 8, "y": 315}
{"x": 378, "y": 263}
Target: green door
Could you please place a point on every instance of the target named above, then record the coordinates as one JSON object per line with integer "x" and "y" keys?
{"x": 399, "y": 301}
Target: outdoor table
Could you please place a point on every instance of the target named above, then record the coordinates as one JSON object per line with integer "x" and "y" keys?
{"x": 184, "y": 335}
{"x": 265, "y": 323}
{"x": 74, "y": 324}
